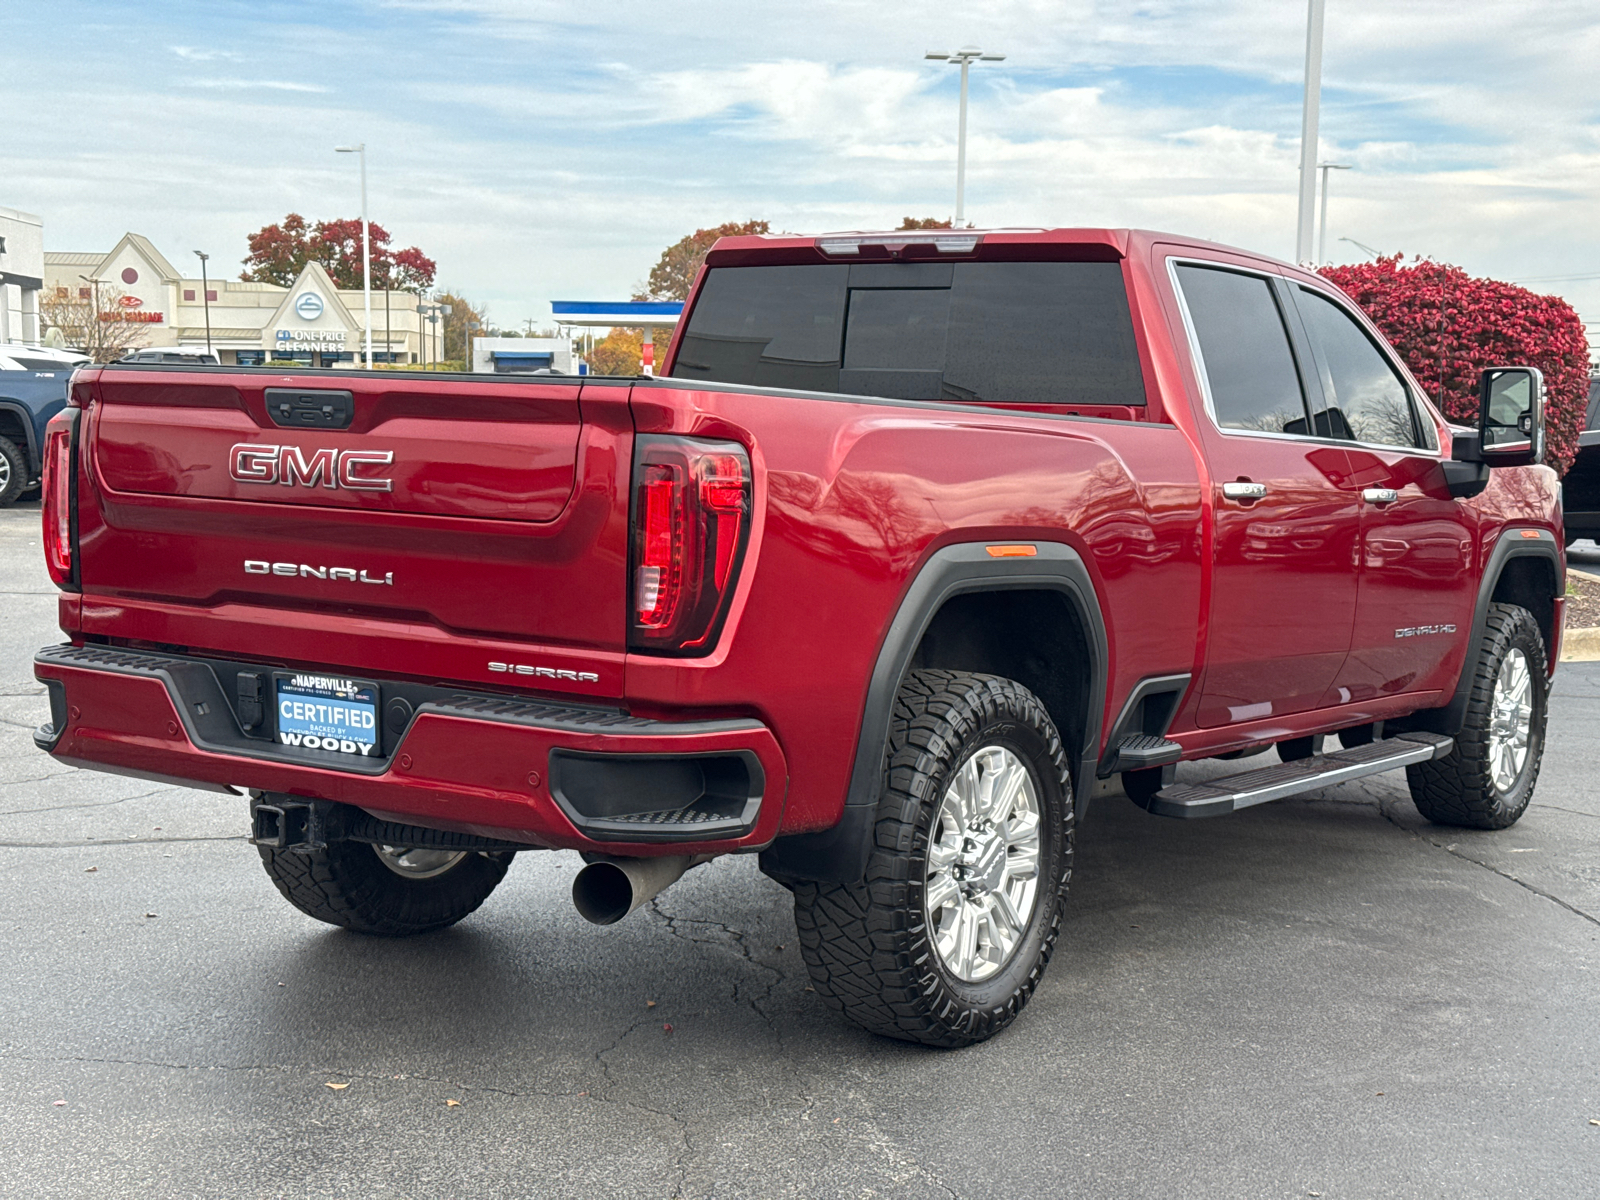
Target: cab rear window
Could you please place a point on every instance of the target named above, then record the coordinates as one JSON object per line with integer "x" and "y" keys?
{"x": 1008, "y": 333}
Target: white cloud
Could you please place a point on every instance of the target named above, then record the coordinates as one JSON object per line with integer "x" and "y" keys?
{"x": 539, "y": 150}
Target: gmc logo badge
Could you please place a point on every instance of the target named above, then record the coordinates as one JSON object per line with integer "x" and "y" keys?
{"x": 288, "y": 465}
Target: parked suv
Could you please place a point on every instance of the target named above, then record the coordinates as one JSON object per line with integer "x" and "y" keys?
{"x": 1580, "y": 487}
{"x": 33, "y": 388}
{"x": 921, "y": 540}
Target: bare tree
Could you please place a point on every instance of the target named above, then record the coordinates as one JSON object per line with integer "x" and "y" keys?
{"x": 105, "y": 335}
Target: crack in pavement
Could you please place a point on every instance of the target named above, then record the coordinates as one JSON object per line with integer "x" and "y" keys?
{"x": 18, "y": 812}
{"x": 1577, "y": 812}
{"x": 743, "y": 947}
{"x": 680, "y": 1162}
{"x": 1490, "y": 867}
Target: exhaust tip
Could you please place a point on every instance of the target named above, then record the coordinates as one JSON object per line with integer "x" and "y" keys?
{"x": 602, "y": 893}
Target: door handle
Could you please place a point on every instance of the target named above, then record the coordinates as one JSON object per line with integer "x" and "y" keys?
{"x": 1379, "y": 495}
{"x": 1244, "y": 491}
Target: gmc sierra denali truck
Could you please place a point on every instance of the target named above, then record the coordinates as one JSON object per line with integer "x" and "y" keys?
{"x": 919, "y": 541}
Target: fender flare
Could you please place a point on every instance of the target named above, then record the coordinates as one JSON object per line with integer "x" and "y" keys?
{"x": 840, "y": 854}
{"x": 1512, "y": 543}
{"x": 30, "y": 436}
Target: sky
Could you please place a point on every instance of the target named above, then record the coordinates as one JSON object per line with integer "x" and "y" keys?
{"x": 545, "y": 151}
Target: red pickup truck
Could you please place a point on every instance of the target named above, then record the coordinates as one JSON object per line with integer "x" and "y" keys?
{"x": 920, "y": 541}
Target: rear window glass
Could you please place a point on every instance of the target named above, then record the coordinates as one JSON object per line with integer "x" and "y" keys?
{"x": 39, "y": 364}
{"x": 1001, "y": 333}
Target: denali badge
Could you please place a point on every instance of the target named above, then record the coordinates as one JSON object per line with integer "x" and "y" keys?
{"x": 1423, "y": 630}
{"x": 288, "y": 465}
{"x": 253, "y": 566}
{"x": 545, "y": 672}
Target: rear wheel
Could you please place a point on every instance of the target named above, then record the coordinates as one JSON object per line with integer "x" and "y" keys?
{"x": 388, "y": 891}
{"x": 1487, "y": 781}
{"x": 13, "y": 471}
{"x": 945, "y": 940}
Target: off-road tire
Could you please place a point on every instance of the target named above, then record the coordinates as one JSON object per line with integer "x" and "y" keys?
{"x": 867, "y": 945}
{"x": 1459, "y": 788}
{"x": 348, "y": 885}
{"x": 13, "y": 472}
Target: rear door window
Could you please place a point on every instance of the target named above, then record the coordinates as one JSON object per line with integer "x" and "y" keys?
{"x": 998, "y": 333}
{"x": 1364, "y": 385}
{"x": 1244, "y": 350}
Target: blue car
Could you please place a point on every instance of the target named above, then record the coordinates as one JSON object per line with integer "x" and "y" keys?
{"x": 33, "y": 388}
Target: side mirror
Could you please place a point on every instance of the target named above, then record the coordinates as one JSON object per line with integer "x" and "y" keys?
{"x": 1511, "y": 416}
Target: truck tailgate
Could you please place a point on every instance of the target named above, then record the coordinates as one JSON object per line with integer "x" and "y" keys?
{"x": 483, "y": 507}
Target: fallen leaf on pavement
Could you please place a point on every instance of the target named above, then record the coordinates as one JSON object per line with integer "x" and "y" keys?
{"x": 338, "y": 1087}
{"x": 649, "y": 1003}
{"x": 150, "y": 914}
{"x": 452, "y": 1104}
{"x": 1592, "y": 1122}
{"x": 666, "y": 1029}
{"x": 59, "y": 1103}
{"x": 90, "y": 870}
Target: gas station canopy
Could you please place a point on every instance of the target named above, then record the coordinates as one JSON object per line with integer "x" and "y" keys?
{"x": 609, "y": 313}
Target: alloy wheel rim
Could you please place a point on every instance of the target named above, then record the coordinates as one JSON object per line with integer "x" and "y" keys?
{"x": 982, "y": 876}
{"x": 5, "y": 472}
{"x": 1510, "y": 720}
{"x": 414, "y": 862}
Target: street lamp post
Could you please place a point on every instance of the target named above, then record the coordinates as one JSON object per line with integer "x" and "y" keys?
{"x": 93, "y": 333}
{"x": 366, "y": 244}
{"x": 205, "y": 293}
{"x": 1308, "y": 131}
{"x": 966, "y": 56}
{"x": 1322, "y": 218}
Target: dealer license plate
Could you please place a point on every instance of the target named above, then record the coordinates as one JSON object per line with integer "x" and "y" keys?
{"x": 324, "y": 712}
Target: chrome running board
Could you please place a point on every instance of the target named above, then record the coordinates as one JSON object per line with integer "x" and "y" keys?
{"x": 1217, "y": 796}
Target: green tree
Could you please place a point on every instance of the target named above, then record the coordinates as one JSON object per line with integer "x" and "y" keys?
{"x": 674, "y": 272}
{"x": 924, "y": 223}
{"x": 455, "y": 326}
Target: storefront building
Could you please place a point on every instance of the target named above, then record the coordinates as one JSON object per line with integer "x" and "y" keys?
{"x": 21, "y": 275}
{"x": 312, "y": 323}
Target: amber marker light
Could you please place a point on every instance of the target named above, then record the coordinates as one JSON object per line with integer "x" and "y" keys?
{"x": 1012, "y": 551}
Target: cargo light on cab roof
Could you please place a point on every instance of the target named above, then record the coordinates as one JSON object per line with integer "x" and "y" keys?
{"x": 894, "y": 243}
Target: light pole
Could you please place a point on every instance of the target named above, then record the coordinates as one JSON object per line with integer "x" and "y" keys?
{"x": 366, "y": 244}
{"x": 471, "y": 325}
{"x": 92, "y": 334}
{"x": 1363, "y": 246}
{"x": 1308, "y": 132}
{"x": 966, "y": 56}
{"x": 205, "y": 294}
{"x": 1322, "y": 227}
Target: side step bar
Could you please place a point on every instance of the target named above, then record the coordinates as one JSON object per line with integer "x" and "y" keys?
{"x": 1218, "y": 796}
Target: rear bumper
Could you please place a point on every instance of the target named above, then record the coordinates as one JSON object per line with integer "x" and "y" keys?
{"x": 497, "y": 766}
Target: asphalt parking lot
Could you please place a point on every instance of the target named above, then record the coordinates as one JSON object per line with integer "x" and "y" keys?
{"x": 1320, "y": 997}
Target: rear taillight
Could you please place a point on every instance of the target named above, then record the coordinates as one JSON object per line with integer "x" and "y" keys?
{"x": 56, "y": 487}
{"x": 691, "y": 519}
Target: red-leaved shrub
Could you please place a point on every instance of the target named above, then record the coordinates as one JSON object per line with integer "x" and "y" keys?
{"x": 1448, "y": 326}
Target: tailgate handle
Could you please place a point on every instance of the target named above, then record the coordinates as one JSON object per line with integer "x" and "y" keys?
{"x": 310, "y": 408}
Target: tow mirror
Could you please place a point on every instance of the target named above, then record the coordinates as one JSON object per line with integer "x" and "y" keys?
{"x": 1511, "y": 416}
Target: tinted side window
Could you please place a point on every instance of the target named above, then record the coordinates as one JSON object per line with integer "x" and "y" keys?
{"x": 1374, "y": 400}
{"x": 1006, "y": 333}
{"x": 1245, "y": 348}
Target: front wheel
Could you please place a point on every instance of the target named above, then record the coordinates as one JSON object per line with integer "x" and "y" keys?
{"x": 388, "y": 891}
{"x": 946, "y": 939}
{"x": 1487, "y": 781}
{"x": 13, "y": 471}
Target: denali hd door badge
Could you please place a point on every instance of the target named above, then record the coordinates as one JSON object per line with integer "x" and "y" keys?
{"x": 1423, "y": 630}
{"x": 255, "y": 566}
{"x": 288, "y": 465}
